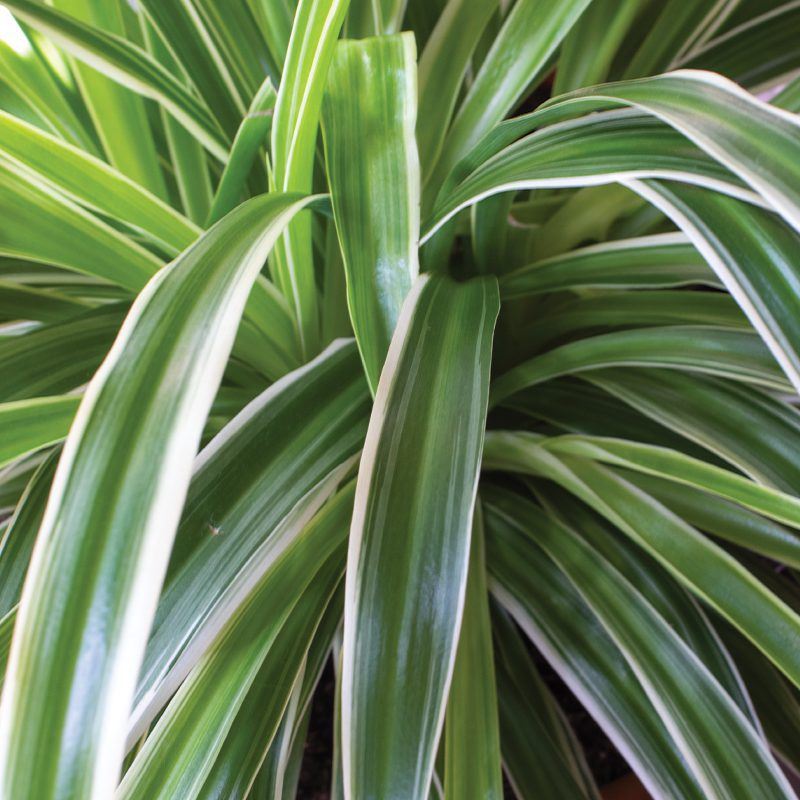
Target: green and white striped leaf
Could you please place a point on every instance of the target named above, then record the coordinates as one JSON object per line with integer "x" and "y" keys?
{"x": 30, "y": 425}
{"x": 124, "y": 62}
{"x": 89, "y": 181}
{"x": 703, "y": 720}
{"x": 557, "y": 620}
{"x": 708, "y": 570}
{"x": 251, "y": 136}
{"x": 237, "y": 522}
{"x": 294, "y": 132}
{"x": 101, "y": 553}
{"x": 541, "y": 756}
{"x": 409, "y": 543}
{"x": 265, "y": 640}
{"x": 472, "y": 736}
{"x": 371, "y": 99}
{"x": 735, "y": 355}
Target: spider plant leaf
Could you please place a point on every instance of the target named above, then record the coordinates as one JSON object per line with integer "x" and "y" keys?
{"x": 472, "y": 737}
{"x": 746, "y": 427}
{"x": 519, "y": 54}
{"x": 703, "y": 566}
{"x": 58, "y": 357}
{"x": 29, "y": 425}
{"x": 127, "y": 64}
{"x": 261, "y": 648}
{"x": 199, "y": 60}
{"x": 736, "y": 355}
{"x": 649, "y": 262}
{"x": 43, "y": 305}
{"x": 681, "y": 468}
{"x": 752, "y": 252}
{"x": 375, "y": 17}
{"x": 186, "y": 155}
{"x": 667, "y": 597}
{"x": 93, "y": 183}
{"x": 722, "y": 518}
{"x": 739, "y": 52}
{"x": 119, "y": 116}
{"x": 540, "y": 754}
{"x": 251, "y": 136}
{"x": 679, "y": 28}
{"x": 777, "y": 705}
{"x": 592, "y": 150}
{"x": 371, "y": 96}
{"x": 294, "y": 132}
{"x": 44, "y": 98}
{"x": 112, "y": 513}
{"x": 19, "y": 537}
{"x": 589, "y": 48}
{"x": 442, "y": 65}
{"x": 722, "y": 119}
{"x": 410, "y": 536}
{"x": 43, "y": 226}
{"x": 703, "y": 720}
{"x": 237, "y": 41}
{"x": 248, "y": 758}
{"x": 297, "y": 447}
{"x": 557, "y": 620}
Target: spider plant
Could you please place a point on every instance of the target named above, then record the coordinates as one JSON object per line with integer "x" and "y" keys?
{"x": 434, "y": 339}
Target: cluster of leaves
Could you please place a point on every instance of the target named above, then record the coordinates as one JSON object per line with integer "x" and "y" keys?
{"x": 510, "y": 351}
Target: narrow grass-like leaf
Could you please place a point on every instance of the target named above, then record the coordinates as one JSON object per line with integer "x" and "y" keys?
{"x": 701, "y": 717}
{"x": 540, "y": 754}
{"x": 251, "y": 136}
{"x": 20, "y": 534}
{"x": 530, "y": 34}
{"x": 472, "y": 737}
{"x": 108, "y": 528}
{"x": 58, "y": 357}
{"x": 660, "y": 261}
{"x": 127, "y": 64}
{"x": 409, "y": 544}
{"x": 41, "y": 225}
{"x": 682, "y": 469}
{"x": 294, "y": 133}
{"x": 119, "y": 117}
{"x": 737, "y": 355}
{"x": 442, "y": 65}
{"x": 29, "y": 425}
{"x": 295, "y": 446}
{"x": 728, "y": 123}
{"x": 723, "y": 518}
{"x": 91, "y": 182}
{"x": 752, "y": 253}
{"x": 553, "y": 615}
{"x": 275, "y": 621}
{"x": 371, "y": 98}
{"x": 746, "y": 427}
{"x": 707, "y": 569}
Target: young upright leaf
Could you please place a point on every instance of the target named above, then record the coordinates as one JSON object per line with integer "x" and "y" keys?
{"x": 100, "y": 556}
{"x": 519, "y": 54}
{"x": 371, "y": 106}
{"x": 409, "y": 543}
{"x": 250, "y": 138}
{"x": 294, "y": 134}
